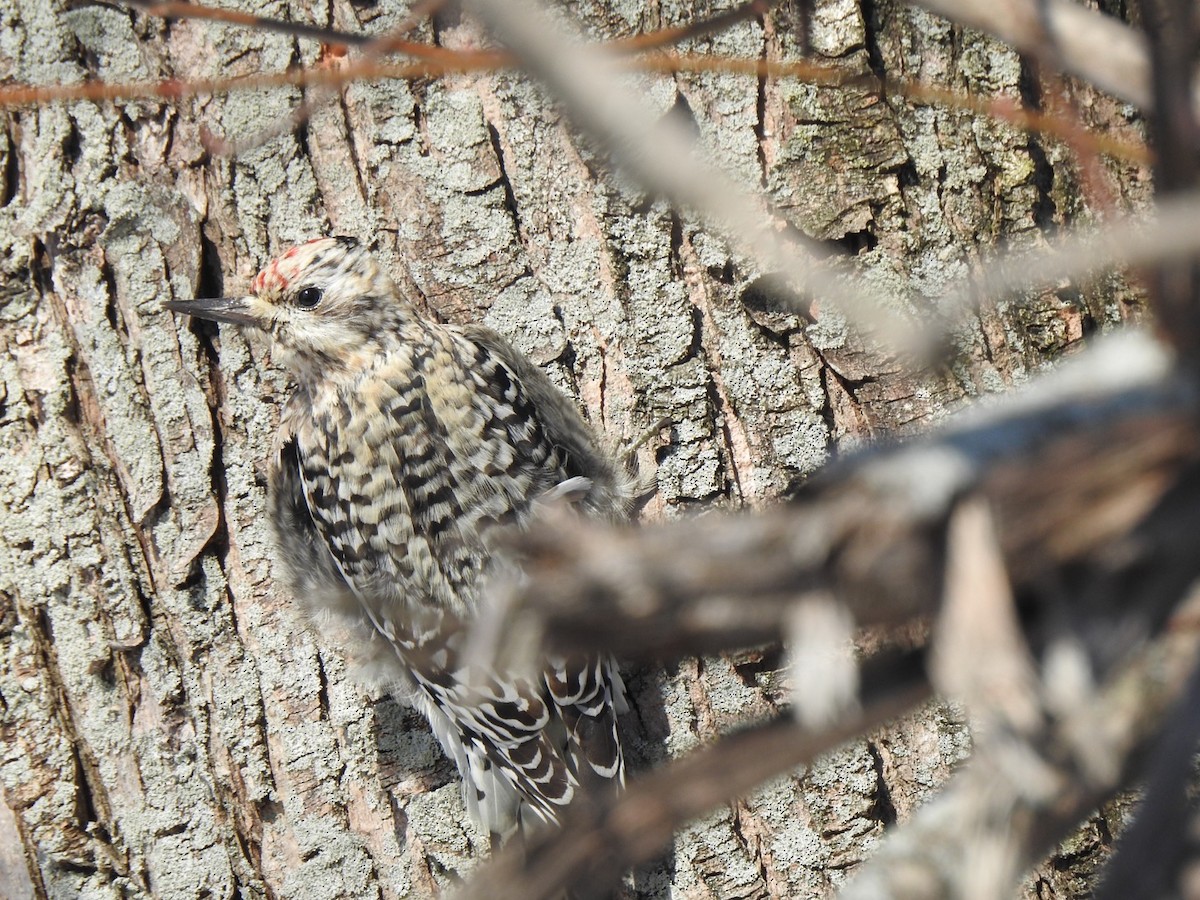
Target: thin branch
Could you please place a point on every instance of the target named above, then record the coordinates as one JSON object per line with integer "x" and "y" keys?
{"x": 662, "y": 154}
{"x": 601, "y": 839}
{"x": 393, "y": 41}
{"x": 438, "y": 61}
{"x": 176, "y": 89}
{"x": 170, "y": 9}
{"x": 390, "y": 42}
{"x": 1066, "y": 35}
{"x": 1171, "y": 231}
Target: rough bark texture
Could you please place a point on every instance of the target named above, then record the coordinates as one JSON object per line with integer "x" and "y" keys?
{"x": 170, "y": 725}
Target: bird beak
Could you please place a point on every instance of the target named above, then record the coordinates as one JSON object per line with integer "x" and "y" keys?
{"x": 217, "y": 309}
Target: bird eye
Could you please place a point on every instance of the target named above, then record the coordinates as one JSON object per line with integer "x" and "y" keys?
{"x": 308, "y": 298}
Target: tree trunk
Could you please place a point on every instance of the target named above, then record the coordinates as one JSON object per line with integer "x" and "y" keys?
{"x": 171, "y": 727}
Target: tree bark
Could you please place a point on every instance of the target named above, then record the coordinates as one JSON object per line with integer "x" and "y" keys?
{"x": 171, "y": 727}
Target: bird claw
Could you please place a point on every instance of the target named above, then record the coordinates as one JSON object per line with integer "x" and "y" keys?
{"x": 569, "y": 492}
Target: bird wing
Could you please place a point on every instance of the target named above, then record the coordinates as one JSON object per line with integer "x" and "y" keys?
{"x": 614, "y": 488}
{"x": 586, "y": 691}
{"x": 507, "y": 725}
{"x": 589, "y": 694}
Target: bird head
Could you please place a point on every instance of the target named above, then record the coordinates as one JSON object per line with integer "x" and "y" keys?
{"x": 324, "y": 306}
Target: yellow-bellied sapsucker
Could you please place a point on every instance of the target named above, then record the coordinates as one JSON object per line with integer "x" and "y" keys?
{"x": 405, "y": 446}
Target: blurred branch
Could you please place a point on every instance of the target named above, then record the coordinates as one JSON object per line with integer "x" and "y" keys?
{"x": 1170, "y": 232}
{"x": 1175, "y": 38}
{"x": 1065, "y": 35}
{"x": 601, "y": 839}
{"x": 1017, "y": 797}
{"x": 1084, "y": 490}
{"x": 662, "y": 154}
{"x": 1161, "y": 830}
{"x": 1153, "y": 854}
{"x": 1069, "y": 466}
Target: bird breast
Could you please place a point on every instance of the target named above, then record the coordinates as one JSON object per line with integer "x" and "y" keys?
{"x": 408, "y": 466}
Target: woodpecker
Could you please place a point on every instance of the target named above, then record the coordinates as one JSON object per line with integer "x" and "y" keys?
{"x": 406, "y": 446}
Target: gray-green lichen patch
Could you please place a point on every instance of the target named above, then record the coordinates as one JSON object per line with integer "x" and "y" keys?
{"x": 452, "y": 843}
{"x": 524, "y": 312}
{"x": 713, "y": 859}
{"x": 125, "y": 417}
{"x": 35, "y": 44}
{"x": 726, "y": 116}
{"x": 329, "y": 864}
{"x": 107, "y": 34}
{"x": 836, "y": 168}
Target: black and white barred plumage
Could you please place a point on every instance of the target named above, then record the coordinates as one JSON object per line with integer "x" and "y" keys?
{"x": 405, "y": 446}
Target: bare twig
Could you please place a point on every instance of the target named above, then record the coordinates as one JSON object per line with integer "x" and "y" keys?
{"x": 392, "y": 42}
{"x": 174, "y": 89}
{"x": 175, "y": 9}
